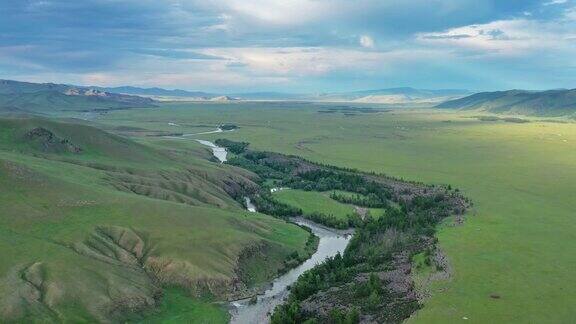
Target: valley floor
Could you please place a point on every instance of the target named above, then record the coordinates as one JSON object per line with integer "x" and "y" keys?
{"x": 516, "y": 244}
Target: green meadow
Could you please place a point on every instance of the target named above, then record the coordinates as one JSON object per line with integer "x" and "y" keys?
{"x": 311, "y": 202}
{"x": 517, "y": 243}
{"x": 81, "y": 233}
{"x": 320, "y": 202}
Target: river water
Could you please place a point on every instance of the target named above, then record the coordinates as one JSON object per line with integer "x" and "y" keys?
{"x": 219, "y": 152}
{"x": 218, "y": 130}
{"x": 331, "y": 243}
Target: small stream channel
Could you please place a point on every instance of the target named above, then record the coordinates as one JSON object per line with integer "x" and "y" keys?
{"x": 331, "y": 242}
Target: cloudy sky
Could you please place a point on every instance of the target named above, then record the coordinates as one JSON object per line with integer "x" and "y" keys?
{"x": 291, "y": 45}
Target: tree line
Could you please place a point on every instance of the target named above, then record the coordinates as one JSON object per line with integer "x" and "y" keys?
{"x": 408, "y": 227}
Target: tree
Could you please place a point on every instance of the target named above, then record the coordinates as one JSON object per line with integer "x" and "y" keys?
{"x": 353, "y": 317}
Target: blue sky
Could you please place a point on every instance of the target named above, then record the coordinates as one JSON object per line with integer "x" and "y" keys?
{"x": 291, "y": 45}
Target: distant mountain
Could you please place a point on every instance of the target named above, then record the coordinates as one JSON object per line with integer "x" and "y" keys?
{"x": 408, "y": 91}
{"x": 390, "y": 96}
{"x": 270, "y": 95}
{"x": 200, "y": 95}
{"x": 33, "y": 97}
{"x": 396, "y": 95}
{"x": 224, "y": 99}
{"x": 519, "y": 102}
{"x": 159, "y": 92}
{"x": 26, "y": 97}
{"x": 17, "y": 87}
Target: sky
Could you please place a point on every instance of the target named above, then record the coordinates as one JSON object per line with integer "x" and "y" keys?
{"x": 301, "y": 46}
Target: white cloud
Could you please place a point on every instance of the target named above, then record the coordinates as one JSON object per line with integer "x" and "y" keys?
{"x": 515, "y": 37}
{"x": 316, "y": 61}
{"x": 366, "y": 41}
{"x": 555, "y": 2}
{"x": 372, "y": 14}
{"x": 281, "y": 41}
{"x": 190, "y": 79}
{"x": 570, "y": 15}
{"x": 274, "y": 12}
{"x": 224, "y": 24}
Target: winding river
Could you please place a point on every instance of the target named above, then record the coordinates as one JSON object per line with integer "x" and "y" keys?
{"x": 219, "y": 152}
{"x": 331, "y": 242}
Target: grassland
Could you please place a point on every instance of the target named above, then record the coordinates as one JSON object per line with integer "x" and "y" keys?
{"x": 311, "y": 202}
{"x": 99, "y": 235}
{"x": 518, "y": 241}
{"x": 177, "y": 307}
{"x": 316, "y": 202}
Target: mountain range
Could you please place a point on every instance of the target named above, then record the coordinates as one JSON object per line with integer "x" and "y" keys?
{"x": 157, "y": 92}
{"x": 401, "y": 95}
{"x": 561, "y": 102}
{"x": 27, "y": 97}
{"x": 31, "y": 97}
{"x": 390, "y": 95}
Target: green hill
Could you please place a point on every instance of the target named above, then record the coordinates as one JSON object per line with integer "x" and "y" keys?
{"x": 521, "y": 102}
{"x": 11, "y": 87}
{"x": 47, "y": 98}
{"x": 95, "y": 227}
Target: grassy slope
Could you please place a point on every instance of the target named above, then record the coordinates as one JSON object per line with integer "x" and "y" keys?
{"x": 48, "y": 206}
{"x": 176, "y": 307}
{"x": 519, "y": 102}
{"x": 521, "y": 177}
{"x": 49, "y": 99}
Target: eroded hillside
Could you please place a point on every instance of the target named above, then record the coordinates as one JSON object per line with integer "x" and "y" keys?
{"x": 97, "y": 232}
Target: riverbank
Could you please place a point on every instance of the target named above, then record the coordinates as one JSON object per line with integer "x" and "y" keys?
{"x": 219, "y": 153}
{"x": 331, "y": 243}
{"x": 371, "y": 281}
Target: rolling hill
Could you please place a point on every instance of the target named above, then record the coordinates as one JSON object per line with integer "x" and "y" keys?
{"x": 95, "y": 227}
{"x": 157, "y": 92}
{"x": 46, "y": 98}
{"x": 518, "y": 102}
{"x": 401, "y": 95}
{"x": 386, "y": 96}
{"x": 396, "y": 95}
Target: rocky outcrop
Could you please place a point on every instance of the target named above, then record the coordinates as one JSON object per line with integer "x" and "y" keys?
{"x": 121, "y": 98}
{"x": 50, "y": 143}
